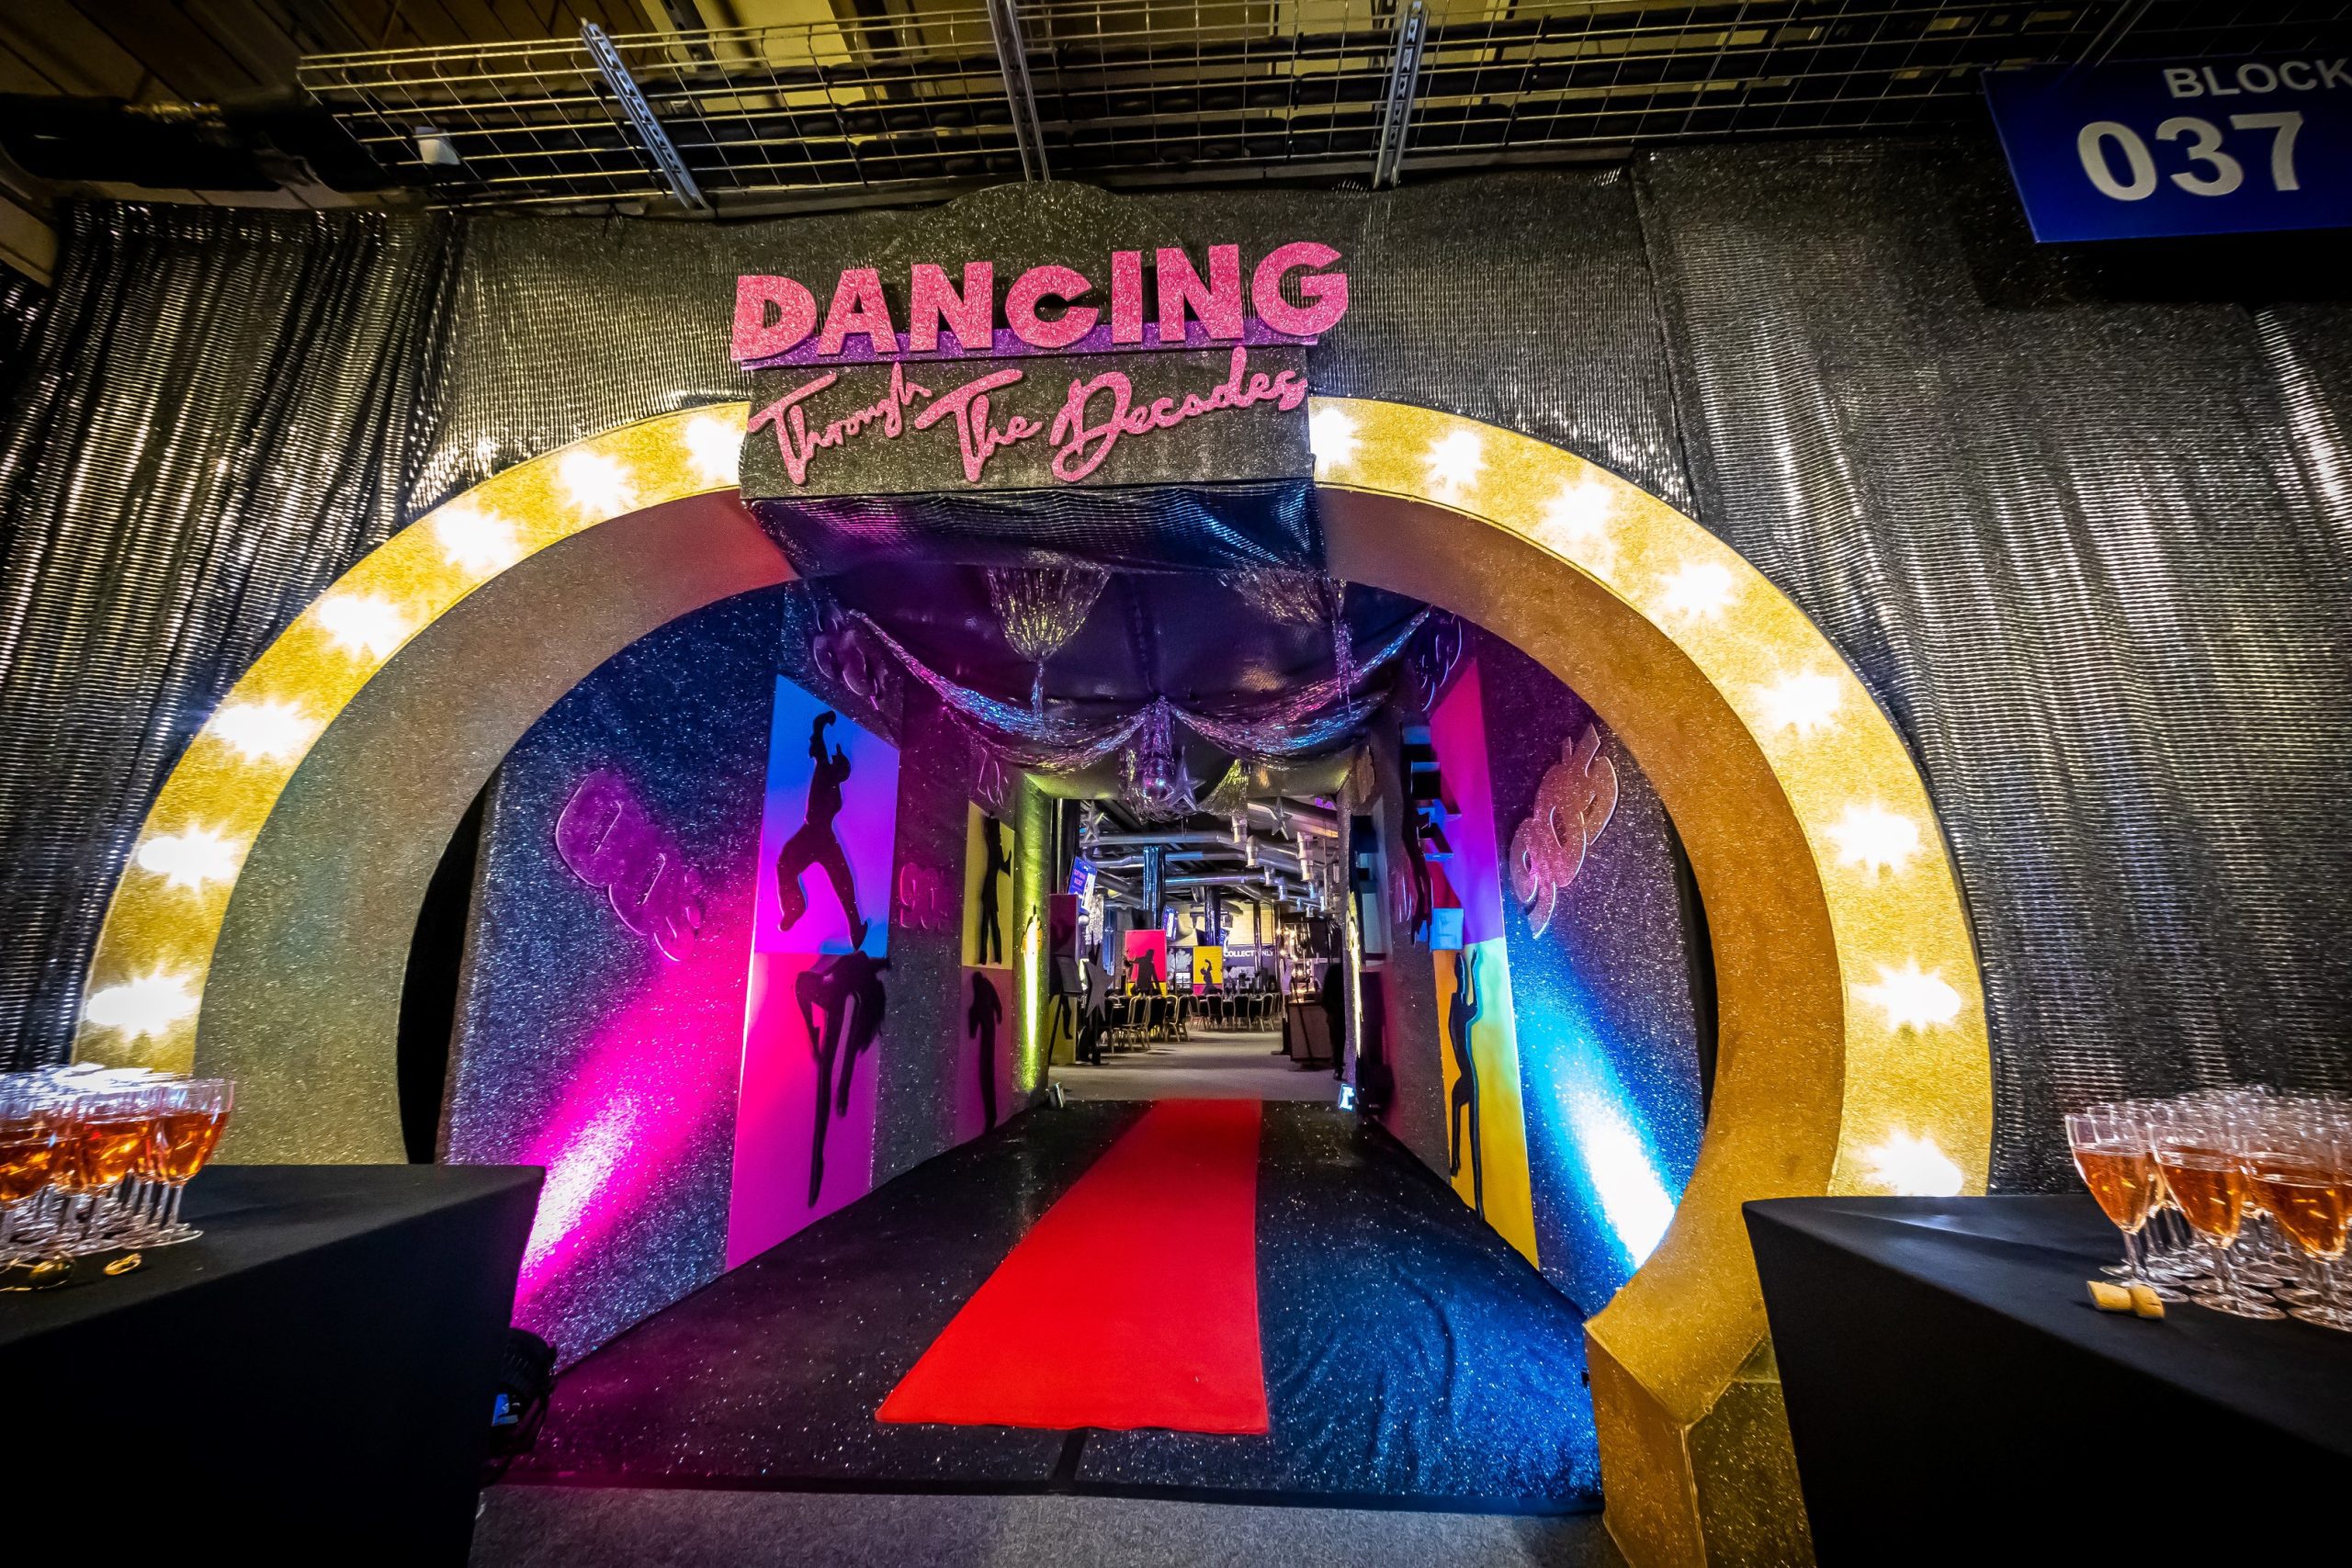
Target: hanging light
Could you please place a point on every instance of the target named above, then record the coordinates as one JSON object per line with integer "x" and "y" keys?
{"x": 1040, "y": 608}
{"x": 1154, "y": 781}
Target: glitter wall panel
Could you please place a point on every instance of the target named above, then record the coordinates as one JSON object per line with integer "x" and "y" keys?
{"x": 1608, "y": 1056}
{"x": 918, "y": 1077}
{"x": 1524, "y": 301}
{"x": 582, "y": 1044}
{"x": 2081, "y": 519}
{"x": 815, "y": 1023}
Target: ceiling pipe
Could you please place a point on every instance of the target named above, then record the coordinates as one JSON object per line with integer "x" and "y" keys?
{"x": 1294, "y": 819}
{"x": 1121, "y": 841}
{"x": 1282, "y": 859}
{"x": 1130, "y": 861}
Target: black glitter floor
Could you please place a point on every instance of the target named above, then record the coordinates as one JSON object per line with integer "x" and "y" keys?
{"x": 771, "y": 1374}
{"x": 1410, "y": 1353}
{"x": 1411, "y": 1358}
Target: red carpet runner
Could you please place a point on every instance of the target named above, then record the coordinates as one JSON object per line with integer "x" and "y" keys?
{"x": 1134, "y": 1302}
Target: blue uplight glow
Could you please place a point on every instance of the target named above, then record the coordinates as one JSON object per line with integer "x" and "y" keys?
{"x": 1617, "y": 1162}
{"x": 1595, "y": 1129}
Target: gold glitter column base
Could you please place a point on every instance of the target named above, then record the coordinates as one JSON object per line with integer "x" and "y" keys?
{"x": 1716, "y": 1492}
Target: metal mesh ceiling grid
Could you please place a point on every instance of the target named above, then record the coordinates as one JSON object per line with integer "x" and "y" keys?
{"x": 1132, "y": 92}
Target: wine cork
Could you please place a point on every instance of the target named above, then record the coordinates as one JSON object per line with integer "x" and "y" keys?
{"x": 2145, "y": 1303}
{"x": 2109, "y": 1298}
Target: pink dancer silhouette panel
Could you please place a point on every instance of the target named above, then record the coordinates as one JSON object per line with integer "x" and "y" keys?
{"x": 814, "y": 1020}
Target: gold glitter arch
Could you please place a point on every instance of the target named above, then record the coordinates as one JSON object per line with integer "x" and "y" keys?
{"x": 261, "y": 927}
{"x": 1851, "y": 1054}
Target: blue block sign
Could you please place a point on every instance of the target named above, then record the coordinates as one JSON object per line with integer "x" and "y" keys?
{"x": 2139, "y": 150}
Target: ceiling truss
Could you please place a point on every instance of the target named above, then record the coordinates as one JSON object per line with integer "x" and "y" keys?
{"x": 893, "y": 103}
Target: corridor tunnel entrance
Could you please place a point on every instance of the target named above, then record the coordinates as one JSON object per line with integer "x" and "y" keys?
{"x": 1829, "y": 907}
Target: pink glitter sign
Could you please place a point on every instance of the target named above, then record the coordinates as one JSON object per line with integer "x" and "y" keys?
{"x": 778, "y": 322}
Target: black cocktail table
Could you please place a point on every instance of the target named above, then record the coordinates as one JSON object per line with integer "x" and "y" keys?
{"x": 309, "y": 1381}
{"x": 1954, "y": 1397}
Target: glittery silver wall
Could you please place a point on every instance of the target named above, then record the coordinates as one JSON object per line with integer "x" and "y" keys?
{"x": 914, "y": 1116}
{"x": 2082, "y": 519}
{"x": 579, "y": 1045}
{"x": 219, "y": 412}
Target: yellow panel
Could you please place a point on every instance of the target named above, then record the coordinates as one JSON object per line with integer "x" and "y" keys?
{"x": 1502, "y": 1119}
{"x": 975, "y": 860}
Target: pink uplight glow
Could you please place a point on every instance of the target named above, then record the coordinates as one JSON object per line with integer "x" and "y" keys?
{"x": 659, "y": 1072}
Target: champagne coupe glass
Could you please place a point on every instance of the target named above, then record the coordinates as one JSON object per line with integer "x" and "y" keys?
{"x": 2265, "y": 1255}
{"x": 67, "y": 1189}
{"x": 2201, "y": 1161}
{"x": 2111, "y": 1152}
{"x": 28, "y": 1146}
{"x": 190, "y": 1120}
{"x": 2298, "y": 1135}
{"x": 2305, "y": 1179}
{"x": 2168, "y": 1248}
{"x": 104, "y": 1146}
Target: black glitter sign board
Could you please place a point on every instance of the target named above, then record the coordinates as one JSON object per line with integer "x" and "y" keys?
{"x": 854, "y": 465}
{"x": 1219, "y": 415}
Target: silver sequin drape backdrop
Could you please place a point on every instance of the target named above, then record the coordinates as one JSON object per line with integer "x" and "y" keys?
{"x": 2084, "y": 521}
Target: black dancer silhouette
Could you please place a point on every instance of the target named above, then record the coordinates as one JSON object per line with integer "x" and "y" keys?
{"x": 1093, "y": 1017}
{"x": 816, "y": 843}
{"x": 999, "y": 863}
{"x": 1458, "y": 1019}
{"x": 847, "y": 988}
{"x": 988, "y": 1010}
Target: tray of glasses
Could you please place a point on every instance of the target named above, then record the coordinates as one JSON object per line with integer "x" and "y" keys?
{"x": 94, "y": 1162}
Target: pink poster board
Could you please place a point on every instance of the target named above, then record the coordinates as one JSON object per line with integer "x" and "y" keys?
{"x": 1151, "y": 946}
{"x": 1458, "y": 735}
{"x": 812, "y": 1040}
